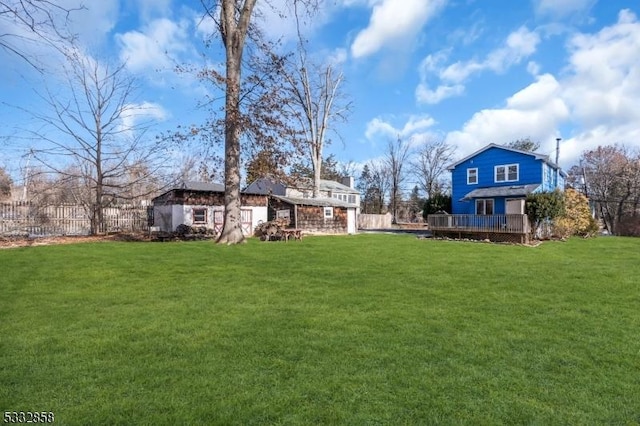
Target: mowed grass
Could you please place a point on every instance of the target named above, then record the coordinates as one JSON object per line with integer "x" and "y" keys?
{"x": 366, "y": 329}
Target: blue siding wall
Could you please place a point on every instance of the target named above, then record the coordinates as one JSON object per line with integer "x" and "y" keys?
{"x": 552, "y": 179}
{"x": 531, "y": 171}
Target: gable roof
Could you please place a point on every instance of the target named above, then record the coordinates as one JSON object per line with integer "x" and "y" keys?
{"x": 536, "y": 155}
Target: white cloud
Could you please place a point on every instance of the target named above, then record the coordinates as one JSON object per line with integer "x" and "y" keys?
{"x": 598, "y": 94}
{"x": 393, "y": 22}
{"x": 156, "y": 46}
{"x": 561, "y": 8}
{"x": 136, "y": 114}
{"x": 92, "y": 21}
{"x": 604, "y": 86}
{"x": 151, "y": 9}
{"x": 337, "y": 56}
{"x": 534, "y": 112}
{"x": 519, "y": 45}
{"x": 415, "y": 126}
{"x": 424, "y": 95}
{"x": 533, "y": 68}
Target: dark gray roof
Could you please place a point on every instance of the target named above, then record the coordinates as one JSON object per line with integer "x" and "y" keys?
{"x": 502, "y": 191}
{"x": 202, "y": 186}
{"x": 320, "y": 202}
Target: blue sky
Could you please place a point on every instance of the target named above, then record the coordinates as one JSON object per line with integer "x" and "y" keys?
{"x": 471, "y": 72}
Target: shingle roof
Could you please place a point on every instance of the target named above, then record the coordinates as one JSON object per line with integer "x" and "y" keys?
{"x": 325, "y": 185}
{"x": 202, "y": 186}
{"x": 502, "y": 191}
{"x": 331, "y": 185}
{"x": 320, "y": 202}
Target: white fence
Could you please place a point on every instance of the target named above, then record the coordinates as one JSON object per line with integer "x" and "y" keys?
{"x": 25, "y": 218}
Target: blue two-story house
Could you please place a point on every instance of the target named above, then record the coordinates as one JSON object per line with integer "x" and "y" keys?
{"x": 497, "y": 179}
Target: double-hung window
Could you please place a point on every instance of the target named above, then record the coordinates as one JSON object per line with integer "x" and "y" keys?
{"x": 328, "y": 212}
{"x": 507, "y": 173}
{"x": 472, "y": 176}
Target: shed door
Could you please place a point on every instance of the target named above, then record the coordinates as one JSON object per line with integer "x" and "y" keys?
{"x": 515, "y": 206}
{"x": 246, "y": 217}
{"x": 218, "y": 221}
{"x": 351, "y": 221}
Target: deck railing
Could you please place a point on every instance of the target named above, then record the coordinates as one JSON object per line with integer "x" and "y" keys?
{"x": 498, "y": 223}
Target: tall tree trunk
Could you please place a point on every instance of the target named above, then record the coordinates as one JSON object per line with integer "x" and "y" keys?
{"x": 317, "y": 170}
{"x": 97, "y": 211}
{"x": 232, "y": 228}
{"x": 233, "y": 28}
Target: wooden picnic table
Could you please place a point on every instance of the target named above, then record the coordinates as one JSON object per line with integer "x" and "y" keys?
{"x": 291, "y": 232}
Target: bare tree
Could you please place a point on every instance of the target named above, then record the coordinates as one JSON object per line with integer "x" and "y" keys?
{"x": 395, "y": 159}
{"x": 317, "y": 100}
{"x": 25, "y": 22}
{"x": 611, "y": 178}
{"x": 94, "y": 135}
{"x": 233, "y": 20}
{"x": 233, "y": 25}
{"x": 430, "y": 165}
{"x": 5, "y": 184}
{"x": 525, "y": 144}
{"x": 373, "y": 185}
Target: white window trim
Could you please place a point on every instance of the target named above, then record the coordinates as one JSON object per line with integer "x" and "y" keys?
{"x": 328, "y": 210}
{"x": 506, "y": 173}
{"x": 469, "y": 174}
{"x": 493, "y": 202}
{"x": 193, "y": 216}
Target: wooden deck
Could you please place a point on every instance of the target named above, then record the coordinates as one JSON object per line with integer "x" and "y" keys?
{"x": 497, "y": 227}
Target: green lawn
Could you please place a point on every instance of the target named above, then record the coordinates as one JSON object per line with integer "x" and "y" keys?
{"x": 361, "y": 329}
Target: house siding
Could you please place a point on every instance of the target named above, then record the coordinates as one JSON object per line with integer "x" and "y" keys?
{"x": 175, "y": 208}
{"x": 311, "y": 218}
{"x": 531, "y": 170}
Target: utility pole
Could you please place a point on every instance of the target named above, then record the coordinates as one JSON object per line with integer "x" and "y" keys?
{"x": 557, "y": 164}
{"x": 25, "y": 180}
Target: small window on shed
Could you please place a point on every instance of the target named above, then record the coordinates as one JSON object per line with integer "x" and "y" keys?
{"x": 199, "y": 216}
{"x": 328, "y": 212}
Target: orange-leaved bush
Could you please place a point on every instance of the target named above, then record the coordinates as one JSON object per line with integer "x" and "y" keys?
{"x": 577, "y": 218}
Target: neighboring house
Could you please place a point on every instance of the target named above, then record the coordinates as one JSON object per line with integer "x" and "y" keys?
{"x": 497, "y": 180}
{"x": 334, "y": 211}
{"x": 303, "y": 188}
{"x": 202, "y": 204}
